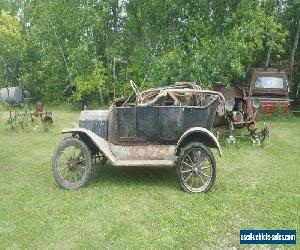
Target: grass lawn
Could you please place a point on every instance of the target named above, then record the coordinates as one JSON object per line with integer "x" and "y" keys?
{"x": 256, "y": 188}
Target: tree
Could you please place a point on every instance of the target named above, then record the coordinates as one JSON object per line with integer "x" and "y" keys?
{"x": 89, "y": 84}
{"x": 161, "y": 41}
{"x": 11, "y": 49}
{"x": 295, "y": 46}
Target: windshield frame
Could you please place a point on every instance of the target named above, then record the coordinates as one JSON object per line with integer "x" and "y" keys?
{"x": 255, "y": 91}
{"x": 269, "y": 82}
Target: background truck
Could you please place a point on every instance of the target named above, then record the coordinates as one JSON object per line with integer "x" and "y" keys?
{"x": 271, "y": 87}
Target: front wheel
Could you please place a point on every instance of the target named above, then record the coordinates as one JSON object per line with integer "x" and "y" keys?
{"x": 72, "y": 163}
{"x": 196, "y": 168}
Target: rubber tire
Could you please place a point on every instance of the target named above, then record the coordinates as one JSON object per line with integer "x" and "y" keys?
{"x": 180, "y": 158}
{"x": 71, "y": 141}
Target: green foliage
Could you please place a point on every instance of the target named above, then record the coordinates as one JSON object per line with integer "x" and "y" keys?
{"x": 10, "y": 32}
{"x": 167, "y": 68}
{"x": 244, "y": 39}
{"x": 88, "y": 84}
{"x": 11, "y": 48}
{"x": 51, "y": 44}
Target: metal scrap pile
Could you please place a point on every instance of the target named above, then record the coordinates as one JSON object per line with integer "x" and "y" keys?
{"x": 180, "y": 94}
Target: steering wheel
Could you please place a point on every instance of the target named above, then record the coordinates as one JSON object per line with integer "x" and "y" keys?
{"x": 136, "y": 91}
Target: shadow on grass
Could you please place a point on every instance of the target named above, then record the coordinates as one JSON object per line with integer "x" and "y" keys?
{"x": 137, "y": 176}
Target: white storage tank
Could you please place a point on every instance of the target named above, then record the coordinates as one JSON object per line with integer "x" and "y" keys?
{"x": 12, "y": 95}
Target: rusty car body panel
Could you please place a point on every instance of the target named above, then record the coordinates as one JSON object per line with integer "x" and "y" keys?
{"x": 241, "y": 111}
{"x": 142, "y": 155}
{"x": 271, "y": 87}
{"x": 128, "y": 155}
{"x": 166, "y": 126}
{"x": 210, "y": 138}
{"x": 279, "y": 89}
{"x": 151, "y": 132}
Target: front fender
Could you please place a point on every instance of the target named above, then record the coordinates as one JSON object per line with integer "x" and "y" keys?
{"x": 203, "y": 135}
{"x": 99, "y": 142}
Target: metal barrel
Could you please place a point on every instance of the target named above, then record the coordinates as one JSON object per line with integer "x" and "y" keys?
{"x": 12, "y": 95}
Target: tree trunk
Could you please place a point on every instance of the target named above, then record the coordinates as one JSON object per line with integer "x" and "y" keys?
{"x": 5, "y": 75}
{"x": 101, "y": 96}
{"x": 292, "y": 58}
{"x": 61, "y": 51}
{"x": 115, "y": 17}
{"x": 268, "y": 57}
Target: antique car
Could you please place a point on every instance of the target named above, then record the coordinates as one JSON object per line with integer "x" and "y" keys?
{"x": 270, "y": 87}
{"x": 239, "y": 110}
{"x": 168, "y": 126}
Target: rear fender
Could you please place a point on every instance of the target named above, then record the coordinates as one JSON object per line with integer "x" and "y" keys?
{"x": 96, "y": 140}
{"x": 201, "y": 135}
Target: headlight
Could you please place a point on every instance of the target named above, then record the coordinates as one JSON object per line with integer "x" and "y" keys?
{"x": 256, "y": 103}
{"x": 229, "y": 105}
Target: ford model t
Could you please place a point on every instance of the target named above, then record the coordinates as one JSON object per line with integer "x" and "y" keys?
{"x": 168, "y": 126}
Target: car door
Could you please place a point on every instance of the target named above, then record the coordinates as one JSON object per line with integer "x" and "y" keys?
{"x": 170, "y": 122}
{"x": 126, "y": 122}
{"x": 147, "y": 123}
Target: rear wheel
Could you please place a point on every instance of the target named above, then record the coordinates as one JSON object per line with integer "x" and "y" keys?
{"x": 72, "y": 163}
{"x": 196, "y": 168}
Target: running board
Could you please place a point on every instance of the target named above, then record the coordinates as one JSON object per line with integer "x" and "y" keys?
{"x": 149, "y": 163}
